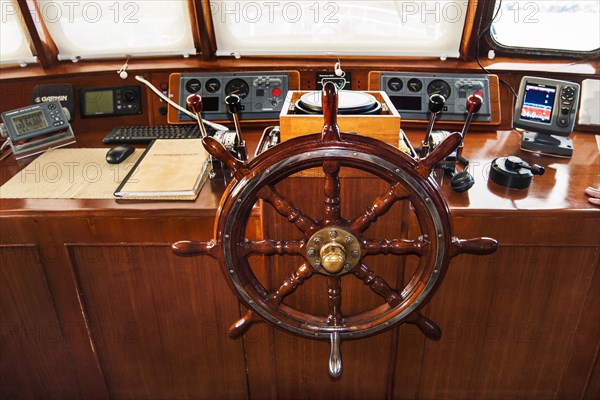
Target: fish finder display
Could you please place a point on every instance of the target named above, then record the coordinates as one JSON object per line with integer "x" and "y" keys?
{"x": 538, "y": 103}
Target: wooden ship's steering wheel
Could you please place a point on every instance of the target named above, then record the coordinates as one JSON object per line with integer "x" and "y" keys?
{"x": 334, "y": 246}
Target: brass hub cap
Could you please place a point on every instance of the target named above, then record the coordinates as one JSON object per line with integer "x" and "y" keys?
{"x": 333, "y": 251}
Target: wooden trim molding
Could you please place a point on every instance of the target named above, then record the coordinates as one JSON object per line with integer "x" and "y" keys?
{"x": 473, "y": 22}
{"x": 204, "y": 28}
{"x": 43, "y": 44}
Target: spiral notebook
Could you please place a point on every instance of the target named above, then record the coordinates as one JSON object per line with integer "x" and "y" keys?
{"x": 169, "y": 169}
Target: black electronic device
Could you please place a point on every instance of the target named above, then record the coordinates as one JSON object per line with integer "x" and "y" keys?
{"x": 546, "y": 109}
{"x": 146, "y": 134}
{"x": 36, "y": 128}
{"x": 62, "y": 92}
{"x": 119, "y": 153}
{"x": 110, "y": 101}
{"x": 342, "y": 81}
{"x": 514, "y": 173}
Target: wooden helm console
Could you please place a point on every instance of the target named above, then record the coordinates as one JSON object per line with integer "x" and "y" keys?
{"x": 334, "y": 246}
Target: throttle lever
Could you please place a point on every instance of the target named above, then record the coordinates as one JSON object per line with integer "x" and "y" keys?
{"x": 473, "y": 105}
{"x": 194, "y": 104}
{"x": 233, "y": 105}
{"x": 436, "y": 105}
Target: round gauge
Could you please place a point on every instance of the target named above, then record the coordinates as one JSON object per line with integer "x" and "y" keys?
{"x": 415, "y": 85}
{"x": 193, "y": 86}
{"x": 395, "y": 84}
{"x": 237, "y": 86}
{"x": 439, "y": 86}
{"x": 212, "y": 85}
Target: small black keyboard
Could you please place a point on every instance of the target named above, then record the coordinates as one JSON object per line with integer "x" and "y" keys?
{"x": 146, "y": 134}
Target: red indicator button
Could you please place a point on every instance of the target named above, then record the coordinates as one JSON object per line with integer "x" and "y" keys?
{"x": 276, "y": 92}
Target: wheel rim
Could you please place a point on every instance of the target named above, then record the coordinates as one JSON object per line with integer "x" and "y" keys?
{"x": 269, "y": 169}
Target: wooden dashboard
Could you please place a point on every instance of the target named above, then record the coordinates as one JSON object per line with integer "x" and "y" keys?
{"x": 94, "y": 304}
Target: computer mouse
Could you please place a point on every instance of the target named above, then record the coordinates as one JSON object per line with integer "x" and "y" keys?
{"x": 119, "y": 153}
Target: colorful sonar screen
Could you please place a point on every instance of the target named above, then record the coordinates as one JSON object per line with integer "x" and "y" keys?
{"x": 538, "y": 103}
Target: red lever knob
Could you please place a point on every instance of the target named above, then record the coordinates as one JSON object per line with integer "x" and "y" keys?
{"x": 474, "y": 102}
{"x": 194, "y": 103}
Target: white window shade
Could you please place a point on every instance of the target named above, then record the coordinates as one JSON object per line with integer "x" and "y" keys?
{"x": 14, "y": 45}
{"x": 558, "y": 25}
{"x": 411, "y": 28}
{"x": 104, "y": 29}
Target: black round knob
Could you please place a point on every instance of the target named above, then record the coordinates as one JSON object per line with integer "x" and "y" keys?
{"x": 232, "y": 103}
{"x": 462, "y": 181}
{"x": 129, "y": 96}
{"x": 436, "y": 103}
{"x": 514, "y": 162}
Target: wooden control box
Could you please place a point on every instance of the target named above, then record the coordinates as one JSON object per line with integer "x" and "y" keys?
{"x": 384, "y": 126}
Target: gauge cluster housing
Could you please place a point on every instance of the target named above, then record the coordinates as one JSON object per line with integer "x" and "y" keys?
{"x": 262, "y": 93}
{"x": 410, "y": 94}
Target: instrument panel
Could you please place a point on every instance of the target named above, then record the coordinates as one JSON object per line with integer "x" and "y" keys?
{"x": 410, "y": 92}
{"x": 262, "y": 93}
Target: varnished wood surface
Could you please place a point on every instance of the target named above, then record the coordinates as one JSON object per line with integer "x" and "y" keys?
{"x": 141, "y": 322}
{"x": 560, "y": 188}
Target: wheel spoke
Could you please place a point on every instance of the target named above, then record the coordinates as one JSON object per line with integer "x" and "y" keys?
{"x": 380, "y": 206}
{"x": 429, "y": 328}
{"x": 272, "y": 247}
{"x": 241, "y": 326}
{"x": 286, "y": 208}
{"x": 332, "y": 192}
{"x": 395, "y": 246}
{"x": 290, "y": 284}
{"x": 334, "y": 295}
{"x": 378, "y": 285}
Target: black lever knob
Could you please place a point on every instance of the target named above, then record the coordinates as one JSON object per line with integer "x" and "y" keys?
{"x": 436, "y": 103}
{"x": 232, "y": 103}
{"x": 516, "y": 163}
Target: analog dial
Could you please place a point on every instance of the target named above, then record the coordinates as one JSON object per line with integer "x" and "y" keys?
{"x": 439, "y": 86}
{"x": 415, "y": 85}
{"x": 237, "y": 86}
{"x": 193, "y": 86}
{"x": 212, "y": 85}
{"x": 395, "y": 84}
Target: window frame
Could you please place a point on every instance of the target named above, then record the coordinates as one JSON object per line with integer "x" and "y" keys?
{"x": 526, "y": 52}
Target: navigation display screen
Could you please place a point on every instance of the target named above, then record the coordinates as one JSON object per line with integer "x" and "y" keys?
{"x": 538, "y": 103}
{"x": 99, "y": 102}
{"x": 29, "y": 122}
